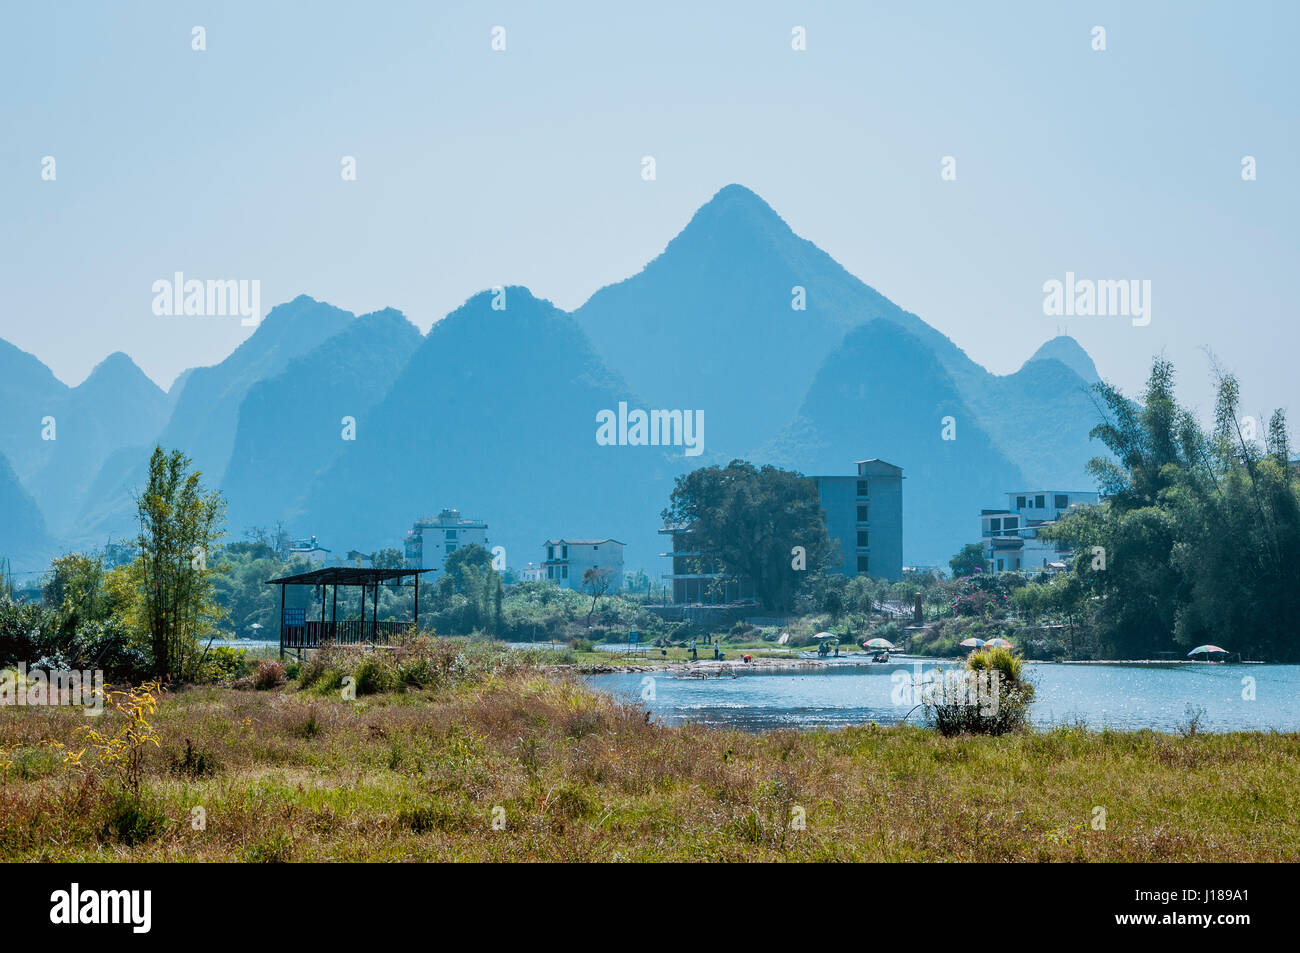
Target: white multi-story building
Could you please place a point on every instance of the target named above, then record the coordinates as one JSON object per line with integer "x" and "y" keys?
{"x": 309, "y": 549}
{"x": 1010, "y": 537}
{"x": 532, "y": 573}
{"x": 431, "y": 541}
{"x": 567, "y": 559}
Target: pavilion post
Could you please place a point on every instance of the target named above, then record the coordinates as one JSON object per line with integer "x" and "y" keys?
{"x": 417, "y": 603}
{"x": 281, "y": 622}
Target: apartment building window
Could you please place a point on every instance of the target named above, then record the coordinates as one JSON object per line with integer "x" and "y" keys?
{"x": 862, "y": 537}
{"x": 862, "y": 513}
{"x": 862, "y": 488}
{"x": 1062, "y": 501}
{"x": 550, "y": 572}
{"x": 450, "y": 534}
{"x": 1011, "y": 522}
{"x": 564, "y": 572}
{"x": 550, "y": 552}
{"x": 564, "y": 552}
{"x": 995, "y": 526}
{"x": 863, "y": 563}
{"x": 1020, "y": 502}
{"x": 451, "y": 548}
{"x": 1040, "y": 502}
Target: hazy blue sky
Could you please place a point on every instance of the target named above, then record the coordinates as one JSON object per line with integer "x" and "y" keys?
{"x": 478, "y": 168}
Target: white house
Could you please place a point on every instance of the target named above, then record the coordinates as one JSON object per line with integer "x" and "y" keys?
{"x": 567, "y": 560}
{"x": 1010, "y": 537}
{"x": 430, "y": 541}
{"x": 308, "y": 548}
{"x": 532, "y": 573}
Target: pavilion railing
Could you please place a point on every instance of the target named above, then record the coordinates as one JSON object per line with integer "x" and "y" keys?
{"x": 313, "y": 634}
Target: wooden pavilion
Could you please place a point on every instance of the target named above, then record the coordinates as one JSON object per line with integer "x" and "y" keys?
{"x": 299, "y": 632}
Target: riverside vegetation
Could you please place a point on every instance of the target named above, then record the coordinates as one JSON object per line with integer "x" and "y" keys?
{"x": 446, "y": 736}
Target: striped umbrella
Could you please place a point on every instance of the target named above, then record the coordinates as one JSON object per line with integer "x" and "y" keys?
{"x": 1207, "y": 648}
{"x": 972, "y": 643}
{"x": 997, "y": 644}
{"x": 878, "y": 644}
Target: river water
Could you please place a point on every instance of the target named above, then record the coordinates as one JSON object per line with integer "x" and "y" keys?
{"x": 1119, "y": 696}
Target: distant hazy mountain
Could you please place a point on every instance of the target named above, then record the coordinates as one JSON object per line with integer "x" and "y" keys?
{"x": 883, "y": 393}
{"x": 204, "y": 414}
{"x": 495, "y": 414}
{"x": 291, "y": 425}
{"x": 494, "y": 411}
{"x": 117, "y": 406}
{"x": 23, "y": 537}
{"x": 710, "y": 323}
{"x": 1069, "y": 352}
{"x": 1044, "y": 412}
{"x": 207, "y": 410}
{"x": 29, "y": 392}
{"x": 109, "y": 510}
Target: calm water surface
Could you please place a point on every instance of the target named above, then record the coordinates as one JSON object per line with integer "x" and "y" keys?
{"x": 1120, "y": 696}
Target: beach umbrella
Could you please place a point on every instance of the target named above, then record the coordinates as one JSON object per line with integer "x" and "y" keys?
{"x": 1207, "y": 648}
{"x": 972, "y": 643}
{"x": 997, "y": 644}
{"x": 878, "y": 644}
{"x": 825, "y": 635}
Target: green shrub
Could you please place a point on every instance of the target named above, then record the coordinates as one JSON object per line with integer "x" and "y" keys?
{"x": 422, "y": 820}
{"x": 131, "y": 820}
{"x": 952, "y": 710}
{"x": 193, "y": 763}
{"x": 310, "y": 727}
{"x": 224, "y": 664}
{"x": 373, "y": 676}
{"x": 32, "y": 763}
{"x": 276, "y": 848}
{"x": 997, "y": 659}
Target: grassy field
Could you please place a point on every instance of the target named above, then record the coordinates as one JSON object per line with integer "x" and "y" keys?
{"x": 290, "y": 774}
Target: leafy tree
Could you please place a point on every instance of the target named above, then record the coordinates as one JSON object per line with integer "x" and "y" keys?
{"x": 178, "y": 533}
{"x": 597, "y": 581}
{"x": 637, "y": 582}
{"x": 969, "y": 559}
{"x": 240, "y": 589}
{"x": 470, "y": 594}
{"x": 275, "y": 538}
{"x": 389, "y": 559}
{"x": 1199, "y": 538}
{"x": 746, "y": 522}
{"x": 74, "y": 590}
{"x": 8, "y": 588}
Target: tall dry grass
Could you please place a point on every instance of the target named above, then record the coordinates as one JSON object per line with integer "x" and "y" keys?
{"x": 415, "y": 774}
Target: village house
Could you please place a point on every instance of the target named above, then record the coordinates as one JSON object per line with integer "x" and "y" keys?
{"x": 567, "y": 560}
{"x": 431, "y": 540}
{"x": 1010, "y": 537}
